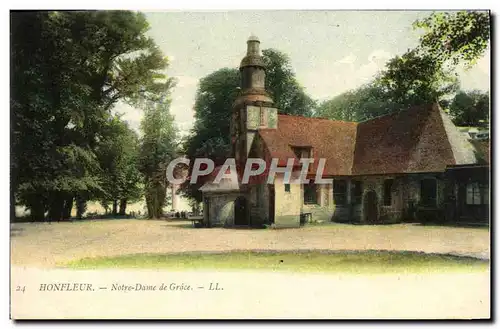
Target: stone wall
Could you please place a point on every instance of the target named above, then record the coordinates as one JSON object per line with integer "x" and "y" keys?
{"x": 325, "y": 209}
{"x": 405, "y": 191}
{"x": 220, "y": 209}
{"x": 405, "y": 197}
{"x": 387, "y": 213}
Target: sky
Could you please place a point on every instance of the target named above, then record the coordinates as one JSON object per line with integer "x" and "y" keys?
{"x": 330, "y": 51}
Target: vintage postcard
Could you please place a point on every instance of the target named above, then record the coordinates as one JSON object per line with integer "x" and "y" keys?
{"x": 250, "y": 164}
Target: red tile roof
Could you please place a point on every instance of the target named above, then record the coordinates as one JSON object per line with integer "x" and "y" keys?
{"x": 413, "y": 140}
{"x": 329, "y": 139}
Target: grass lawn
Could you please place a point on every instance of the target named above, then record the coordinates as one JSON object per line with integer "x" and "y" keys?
{"x": 308, "y": 261}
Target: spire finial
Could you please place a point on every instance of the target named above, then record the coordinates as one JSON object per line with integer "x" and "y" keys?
{"x": 253, "y": 46}
{"x": 253, "y": 37}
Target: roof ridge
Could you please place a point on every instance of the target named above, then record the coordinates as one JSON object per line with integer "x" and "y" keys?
{"x": 317, "y": 118}
{"x": 419, "y": 131}
{"x": 411, "y": 108}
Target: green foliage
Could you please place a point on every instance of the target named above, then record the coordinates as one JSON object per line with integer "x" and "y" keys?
{"x": 470, "y": 108}
{"x": 158, "y": 148}
{"x": 360, "y": 104}
{"x": 68, "y": 70}
{"x": 288, "y": 95}
{"x": 422, "y": 75}
{"x": 213, "y": 105}
{"x": 118, "y": 153}
{"x": 366, "y": 262}
{"x": 458, "y": 36}
{"x": 415, "y": 79}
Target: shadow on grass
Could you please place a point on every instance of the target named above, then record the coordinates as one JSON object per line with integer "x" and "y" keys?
{"x": 464, "y": 225}
{"x": 16, "y": 231}
{"x": 179, "y": 225}
{"x": 187, "y": 223}
{"x": 348, "y": 261}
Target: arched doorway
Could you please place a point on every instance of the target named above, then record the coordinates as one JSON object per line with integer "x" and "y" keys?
{"x": 370, "y": 207}
{"x": 240, "y": 211}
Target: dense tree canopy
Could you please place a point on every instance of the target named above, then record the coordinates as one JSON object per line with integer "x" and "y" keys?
{"x": 415, "y": 79}
{"x": 470, "y": 108}
{"x": 288, "y": 95}
{"x": 158, "y": 148}
{"x": 359, "y": 104}
{"x": 68, "y": 70}
{"x": 461, "y": 36}
{"x": 118, "y": 152}
{"x": 427, "y": 73}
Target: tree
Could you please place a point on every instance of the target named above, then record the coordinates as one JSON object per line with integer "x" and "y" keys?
{"x": 213, "y": 105}
{"x": 415, "y": 79}
{"x": 422, "y": 75}
{"x": 288, "y": 95}
{"x": 363, "y": 103}
{"x": 457, "y": 37}
{"x": 118, "y": 154}
{"x": 158, "y": 148}
{"x": 68, "y": 70}
{"x": 470, "y": 108}
{"x": 427, "y": 74}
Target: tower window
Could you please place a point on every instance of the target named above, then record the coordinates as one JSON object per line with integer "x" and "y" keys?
{"x": 302, "y": 152}
{"x": 263, "y": 117}
{"x": 287, "y": 187}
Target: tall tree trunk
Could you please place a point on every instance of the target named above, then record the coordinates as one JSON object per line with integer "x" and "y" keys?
{"x": 115, "y": 207}
{"x": 68, "y": 206}
{"x": 149, "y": 204}
{"x": 123, "y": 206}
{"x": 81, "y": 207}
{"x": 37, "y": 210}
{"x": 161, "y": 193}
{"x": 12, "y": 206}
{"x": 56, "y": 207}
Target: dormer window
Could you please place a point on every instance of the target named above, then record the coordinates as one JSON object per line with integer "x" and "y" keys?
{"x": 302, "y": 152}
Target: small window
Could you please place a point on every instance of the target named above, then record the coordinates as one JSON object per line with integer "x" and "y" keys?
{"x": 356, "y": 192}
{"x": 428, "y": 192}
{"x": 287, "y": 187}
{"x": 388, "y": 192}
{"x": 340, "y": 192}
{"x": 310, "y": 194}
{"x": 477, "y": 194}
{"x": 302, "y": 152}
{"x": 263, "y": 121}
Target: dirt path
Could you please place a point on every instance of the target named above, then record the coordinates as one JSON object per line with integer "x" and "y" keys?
{"x": 46, "y": 245}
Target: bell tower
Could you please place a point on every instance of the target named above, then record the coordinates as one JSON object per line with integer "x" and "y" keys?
{"x": 253, "y": 108}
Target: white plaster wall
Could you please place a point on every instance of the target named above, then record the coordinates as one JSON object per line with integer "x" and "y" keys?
{"x": 287, "y": 204}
